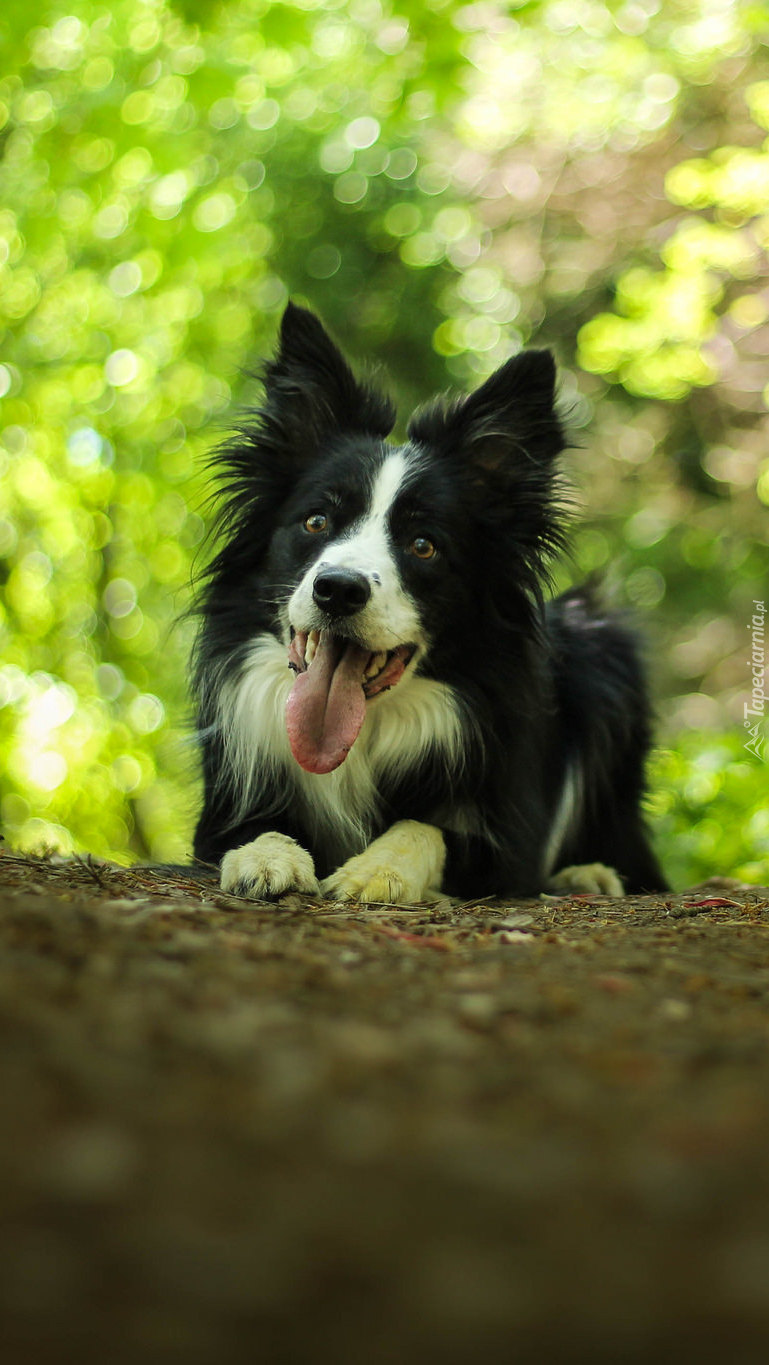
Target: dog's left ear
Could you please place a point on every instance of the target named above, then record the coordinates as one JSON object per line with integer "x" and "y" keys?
{"x": 510, "y": 420}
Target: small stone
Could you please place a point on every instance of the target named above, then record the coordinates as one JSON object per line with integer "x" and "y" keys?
{"x": 518, "y": 920}
{"x": 479, "y": 1011}
{"x": 675, "y": 1010}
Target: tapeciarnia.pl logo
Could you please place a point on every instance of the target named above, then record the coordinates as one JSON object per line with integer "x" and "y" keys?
{"x": 754, "y": 710}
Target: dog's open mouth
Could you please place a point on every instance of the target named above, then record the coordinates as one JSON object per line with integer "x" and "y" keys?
{"x": 327, "y": 703}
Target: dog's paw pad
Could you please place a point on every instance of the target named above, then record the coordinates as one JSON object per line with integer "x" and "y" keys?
{"x": 587, "y": 877}
{"x": 268, "y": 867}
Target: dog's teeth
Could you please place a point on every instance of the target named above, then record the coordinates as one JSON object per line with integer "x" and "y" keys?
{"x": 312, "y": 645}
{"x": 375, "y": 665}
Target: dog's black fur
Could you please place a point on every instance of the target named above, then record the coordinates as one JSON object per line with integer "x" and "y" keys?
{"x": 546, "y": 767}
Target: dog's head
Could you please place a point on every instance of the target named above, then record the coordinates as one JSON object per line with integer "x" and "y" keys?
{"x": 380, "y": 556}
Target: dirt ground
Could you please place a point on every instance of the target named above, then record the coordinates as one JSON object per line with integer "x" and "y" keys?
{"x": 496, "y": 1132}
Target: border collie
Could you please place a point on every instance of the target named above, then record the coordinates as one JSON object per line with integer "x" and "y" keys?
{"x": 388, "y": 706}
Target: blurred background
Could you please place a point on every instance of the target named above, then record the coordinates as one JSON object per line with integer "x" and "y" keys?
{"x": 444, "y": 183}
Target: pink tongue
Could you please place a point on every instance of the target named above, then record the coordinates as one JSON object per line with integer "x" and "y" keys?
{"x": 326, "y": 706}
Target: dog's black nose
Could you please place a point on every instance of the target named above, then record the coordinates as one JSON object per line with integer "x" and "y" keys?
{"x": 340, "y": 592}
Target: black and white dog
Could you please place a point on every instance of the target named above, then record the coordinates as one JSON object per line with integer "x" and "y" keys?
{"x": 387, "y": 705}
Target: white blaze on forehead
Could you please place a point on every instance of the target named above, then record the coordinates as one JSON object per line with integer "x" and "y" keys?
{"x": 387, "y": 485}
{"x": 390, "y": 617}
{"x": 366, "y": 545}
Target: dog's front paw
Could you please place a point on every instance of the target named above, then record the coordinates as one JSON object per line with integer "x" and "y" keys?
{"x": 402, "y": 866}
{"x": 267, "y": 867}
{"x": 590, "y": 877}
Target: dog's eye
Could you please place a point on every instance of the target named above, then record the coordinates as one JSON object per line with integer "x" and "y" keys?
{"x": 315, "y": 523}
{"x": 422, "y": 548}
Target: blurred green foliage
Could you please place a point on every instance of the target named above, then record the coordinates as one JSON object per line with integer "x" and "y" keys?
{"x": 443, "y": 182}
{"x": 709, "y": 809}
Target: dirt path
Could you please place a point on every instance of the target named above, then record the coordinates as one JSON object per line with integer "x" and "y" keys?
{"x": 230, "y": 1131}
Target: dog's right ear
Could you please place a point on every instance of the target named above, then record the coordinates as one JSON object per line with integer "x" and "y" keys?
{"x": 311, "y": 392}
